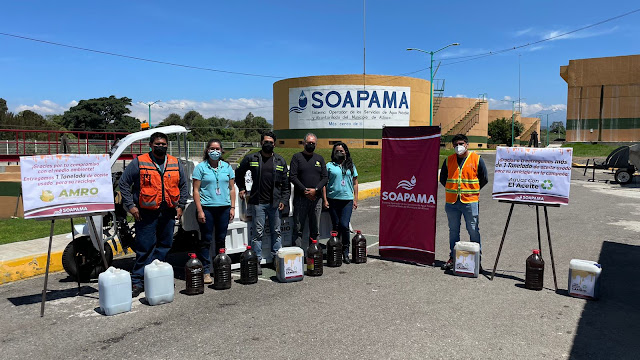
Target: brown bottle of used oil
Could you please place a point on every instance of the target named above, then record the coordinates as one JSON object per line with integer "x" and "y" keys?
{"x": 334, "y": 251}
{"x": 314, "y": 259}
{"x": 534, "y": 276}
{"x": 249, "y": 266}
{"x": 194, "y": 276}
{"x": 222, "y": 271}
{"x": 359, "y": 248}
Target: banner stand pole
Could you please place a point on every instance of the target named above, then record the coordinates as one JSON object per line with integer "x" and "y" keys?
{"x": 46, "y": 274}
{"x": 538, "y": 227}
{"x": 100, "y": 242}
{"x": 546, "y": 218}
{"x": 75, "y": 251}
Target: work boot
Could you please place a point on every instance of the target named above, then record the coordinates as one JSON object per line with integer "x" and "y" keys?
{"x": 345, "y": 256}
{"x": 136, "y": 290}
{"x": 208, "y": 279}
{"x": 259, "y": 269}
{"x": 448, "y": 265}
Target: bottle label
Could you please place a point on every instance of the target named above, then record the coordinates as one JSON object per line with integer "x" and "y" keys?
{"x": 582, "y": 283}
{"x": 310, "y": 264}
{"x": 465, "y": 262}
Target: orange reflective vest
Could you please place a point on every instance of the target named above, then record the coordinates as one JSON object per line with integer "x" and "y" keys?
{"x": 463, "y": 182}
{"x": 157, "y": 187}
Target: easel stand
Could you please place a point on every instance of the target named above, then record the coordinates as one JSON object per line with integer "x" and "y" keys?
{"x": 46, "y": 274}
{"x": 546, "y": 218}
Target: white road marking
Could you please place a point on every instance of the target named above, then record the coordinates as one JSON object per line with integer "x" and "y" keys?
{"x": 374, "y": 244}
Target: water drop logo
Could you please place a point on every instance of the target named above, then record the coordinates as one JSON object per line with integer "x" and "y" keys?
{"x": 302, "y": 104}
{"x": 407, "y": 185}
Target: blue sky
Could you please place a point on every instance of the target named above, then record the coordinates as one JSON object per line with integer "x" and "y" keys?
{"x": 289, "y": 39}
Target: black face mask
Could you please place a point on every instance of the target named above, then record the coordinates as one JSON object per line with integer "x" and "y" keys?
{"x": 267, "y": 148}
{"x": 309, "y": 148}
{"x": 340, "y": 156}
{"x": 160, "y": 151}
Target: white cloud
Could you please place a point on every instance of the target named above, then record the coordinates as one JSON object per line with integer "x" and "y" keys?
{"x": 527, "y": 109}
{"x": 46, "y": 107}
{"x": 522, "y": 32}
{"x": 460, "y": 96}
{"x": 234, "y": 109}
{"x": 459, "y": 51}
{"x": 578, "y": 35}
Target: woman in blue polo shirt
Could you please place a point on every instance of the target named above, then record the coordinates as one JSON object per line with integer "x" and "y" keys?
{"x": 341, "y": 193}
{"x": 214, "y": 196}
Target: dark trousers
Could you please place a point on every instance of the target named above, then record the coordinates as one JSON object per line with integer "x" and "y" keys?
{"x": 306, "y": 211}
{"x": 154, "y": 236}
{"x": 215, "y": 217}
{"x": 340, "y": 211}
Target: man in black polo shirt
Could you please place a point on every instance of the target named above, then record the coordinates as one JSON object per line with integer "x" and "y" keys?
{"x": 308, "y": 174}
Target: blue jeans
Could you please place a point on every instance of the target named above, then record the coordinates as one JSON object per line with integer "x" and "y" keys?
{"x": 154, "y": 236}
{"x": 215, "y": 217}
{"x": 261, "y": 213}
{"x": 340, "y": 211}
{"x": 470, "y": 212}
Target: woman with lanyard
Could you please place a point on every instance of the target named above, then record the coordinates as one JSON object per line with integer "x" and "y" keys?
{"x": 215, "y": 197}
{"x": 341, "y": 193}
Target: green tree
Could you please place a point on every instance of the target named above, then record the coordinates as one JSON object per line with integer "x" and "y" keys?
{"x": 250, "y": 128}
{"x": 557, "y": 127}
{"x": 172, "y": 119}
{"x": 97, "y": 114}
{"x": 3, "y": 106}
{"x": 500, "y": 131}
{"x": 191, "y": 117}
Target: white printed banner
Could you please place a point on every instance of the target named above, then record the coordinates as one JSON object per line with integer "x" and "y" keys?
{"x": 349, "y": 107}
{"x": 66, "y": 185}
{"x": 533, "y": 175}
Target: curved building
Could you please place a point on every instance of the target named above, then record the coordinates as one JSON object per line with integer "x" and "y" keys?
{"x": 348, "y": 108}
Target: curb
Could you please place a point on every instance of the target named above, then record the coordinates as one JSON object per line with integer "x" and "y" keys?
{"x": 31, "y": 266}
{"x": 36, "y": 265}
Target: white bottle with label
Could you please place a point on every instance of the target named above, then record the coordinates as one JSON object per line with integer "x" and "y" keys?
{"x": 114, "y": 289}
{"x": 584, "y": 279}
{"x": 467, "y": 259}
{"x": 290, "y": 264}
{"x": 158, "y": 283}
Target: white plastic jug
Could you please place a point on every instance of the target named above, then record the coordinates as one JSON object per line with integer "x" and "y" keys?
{"x": 158, "y": 283}
{"x": 289, "y": 264}
{"x": 584, "y": 279}
{"x": 467, "y": 259}
{"x": 114, "y": 290}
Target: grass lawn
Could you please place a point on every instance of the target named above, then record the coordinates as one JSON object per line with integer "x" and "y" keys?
{"x": 20, "y": 229}
{"x": 590, "y": 150}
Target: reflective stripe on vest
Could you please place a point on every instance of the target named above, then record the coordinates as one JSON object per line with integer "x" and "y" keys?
{"x": 462, "y": 182}
{"x": 156, "y": 187}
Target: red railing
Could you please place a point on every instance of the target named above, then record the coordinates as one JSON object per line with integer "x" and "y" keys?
{"x": 18, "y": 143}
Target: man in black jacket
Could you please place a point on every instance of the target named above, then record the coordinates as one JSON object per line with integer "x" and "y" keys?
{"x": 308, "y": 175}
{"x": 270, "y": 192}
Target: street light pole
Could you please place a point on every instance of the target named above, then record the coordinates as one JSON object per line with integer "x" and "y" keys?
{"x": 149, "y": 105}
{"x": 431, "y": 77}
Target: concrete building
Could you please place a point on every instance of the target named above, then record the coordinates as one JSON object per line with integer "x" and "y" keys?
{"x": 603, "y": 99}
{"x": 463, "y": 116}
{"x": 348, "y": 108}
{"x": 530, "y": 124}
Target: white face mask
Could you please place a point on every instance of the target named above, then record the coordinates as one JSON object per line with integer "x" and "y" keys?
{"x": 460, "y": 149}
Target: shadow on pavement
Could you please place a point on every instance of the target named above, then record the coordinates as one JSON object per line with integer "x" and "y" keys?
{"x": 608, "y": 328}
{"x": 51, "y": 295}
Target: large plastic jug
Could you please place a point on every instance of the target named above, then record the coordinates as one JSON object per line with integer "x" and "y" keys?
{"x": 467, "y": 259}
{"x": 584, "y": 279}
{"x": 289, "y": 264}
{"x": 194, "y": 276}
{"x": 334, "y": 250}
{"x": 534, "y": 274}
{"x": 314, "y": 259}
{"x": 158, "y": 282}
{"x": 222, "y": 271}
{"x": 249, "y": 266}
{"x": 359, "y": 248}
{"x": 114, "y": 286}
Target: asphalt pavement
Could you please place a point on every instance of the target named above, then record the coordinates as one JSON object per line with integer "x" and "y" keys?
{"x": 381, "y": 309}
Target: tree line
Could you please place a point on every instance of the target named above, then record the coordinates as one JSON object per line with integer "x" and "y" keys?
{"x": 112, "y": 114}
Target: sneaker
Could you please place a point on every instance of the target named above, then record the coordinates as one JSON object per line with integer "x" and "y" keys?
{"x": 448, "y": 265}
{"x": 208, "y": 279}
{"x": 136, "y": 290}
{"x": 259, "y": 269}
{"x": 345, "y": 258}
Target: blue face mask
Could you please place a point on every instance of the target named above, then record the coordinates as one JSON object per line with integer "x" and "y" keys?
{"x": 214, "y": 154}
